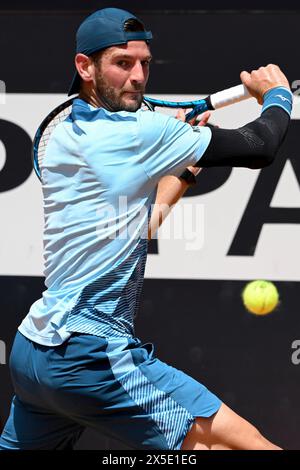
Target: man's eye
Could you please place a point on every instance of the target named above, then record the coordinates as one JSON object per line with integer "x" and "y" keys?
{"x": 123, "y": 63}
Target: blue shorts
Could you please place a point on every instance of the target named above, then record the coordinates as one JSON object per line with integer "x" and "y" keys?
{"x": 114, "y": 386}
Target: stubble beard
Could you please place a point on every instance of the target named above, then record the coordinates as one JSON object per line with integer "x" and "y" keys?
{"x": 114, "y": 100}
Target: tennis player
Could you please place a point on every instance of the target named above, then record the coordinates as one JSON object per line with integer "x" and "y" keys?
{"x": 76, "y": 361}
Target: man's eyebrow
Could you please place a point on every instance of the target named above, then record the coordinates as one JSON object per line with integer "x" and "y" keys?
{"x": 128, "y": 56}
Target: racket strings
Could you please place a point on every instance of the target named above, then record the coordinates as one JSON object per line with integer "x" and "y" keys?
{"x": 47, "y": 132}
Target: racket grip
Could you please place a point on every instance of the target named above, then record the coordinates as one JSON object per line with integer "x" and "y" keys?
{"x": 229, "y": 96}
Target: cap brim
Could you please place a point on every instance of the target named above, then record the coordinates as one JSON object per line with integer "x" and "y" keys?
{"x": 75, "y": 84}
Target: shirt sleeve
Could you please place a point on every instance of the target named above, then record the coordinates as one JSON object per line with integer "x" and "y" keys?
{"x": 167, "y": 145}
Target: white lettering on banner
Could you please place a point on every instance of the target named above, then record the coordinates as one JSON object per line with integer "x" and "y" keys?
{"x": 2, "y": 155}
{"x": 2, "y": 352}
{"x": 198, "y": 250}
{"x": 2, "y": 92}
{"x": 282, "y": 197}
{"x": 295, "y": 358}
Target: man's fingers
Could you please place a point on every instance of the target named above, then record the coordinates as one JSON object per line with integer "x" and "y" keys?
{"x": 201, "y": 119}
{"x": 204, "y": 118}
{"x": 180, "y": 115}
{"x": 261, "y": 80}
{"x": 245, "y": 77}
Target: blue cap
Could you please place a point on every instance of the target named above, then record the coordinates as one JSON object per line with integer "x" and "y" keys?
{"x": 102, "y": 29}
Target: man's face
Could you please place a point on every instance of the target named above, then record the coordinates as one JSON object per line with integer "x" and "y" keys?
{"x": 121, "y": 76}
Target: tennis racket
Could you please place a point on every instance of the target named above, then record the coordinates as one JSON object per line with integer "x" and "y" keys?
{"x": 61, "y": 112}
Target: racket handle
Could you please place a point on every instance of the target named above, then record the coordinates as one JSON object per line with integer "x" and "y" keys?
{"x": 229, "y": 96}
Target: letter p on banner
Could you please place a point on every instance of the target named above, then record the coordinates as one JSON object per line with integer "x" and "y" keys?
{"x": 2, "y": 92}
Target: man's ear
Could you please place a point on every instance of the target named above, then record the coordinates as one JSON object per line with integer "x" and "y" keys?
{"x": 85, "y": 67}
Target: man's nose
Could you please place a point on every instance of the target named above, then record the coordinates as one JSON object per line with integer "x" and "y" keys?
{"x": 137, "y": 73}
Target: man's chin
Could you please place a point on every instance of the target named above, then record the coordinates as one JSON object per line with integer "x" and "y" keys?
{"x": 132, "y": 105}
{"x": 132, "y": 102}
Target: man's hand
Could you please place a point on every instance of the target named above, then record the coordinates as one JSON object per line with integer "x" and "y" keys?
{"x": 260, "y": 81}
{"x": 202, "y": 118}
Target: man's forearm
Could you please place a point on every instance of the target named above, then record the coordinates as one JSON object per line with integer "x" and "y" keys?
{"x": 255, "y": 144}
{"x": 170, "y": 190}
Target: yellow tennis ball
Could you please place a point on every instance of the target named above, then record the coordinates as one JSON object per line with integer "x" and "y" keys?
{"x": 260, "y": 297}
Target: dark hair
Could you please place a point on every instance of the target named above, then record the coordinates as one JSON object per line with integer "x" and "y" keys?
{"x": 132, "y": 24}
{"x": 96, "y": 56}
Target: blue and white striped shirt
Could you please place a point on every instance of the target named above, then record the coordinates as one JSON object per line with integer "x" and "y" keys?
{"x": 100, "y": 175}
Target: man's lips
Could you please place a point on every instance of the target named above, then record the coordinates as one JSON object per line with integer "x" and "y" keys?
{"x": 133, "y": 92}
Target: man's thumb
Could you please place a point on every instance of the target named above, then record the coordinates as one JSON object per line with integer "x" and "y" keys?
{"x": 245, "y": 77}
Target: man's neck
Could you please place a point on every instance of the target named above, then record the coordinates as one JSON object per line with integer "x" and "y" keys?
{"x": 92, "y": 98}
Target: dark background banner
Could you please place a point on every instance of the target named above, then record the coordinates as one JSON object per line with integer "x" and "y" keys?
{"x": 192, "y": 51}
{"x": 199, "y": 326}
{"x": 148, "y": 5}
